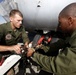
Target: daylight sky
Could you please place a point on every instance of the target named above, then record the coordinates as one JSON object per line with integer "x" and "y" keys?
{"x": 1, "y": 0}
{"x": 2, "y": 20}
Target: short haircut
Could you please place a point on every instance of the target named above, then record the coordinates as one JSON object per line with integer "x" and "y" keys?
{"x": 15, "y": 11}
{"x": 69, "y": 10}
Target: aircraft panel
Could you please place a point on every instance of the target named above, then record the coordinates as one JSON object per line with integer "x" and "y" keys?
{"x": 42, "y": 14}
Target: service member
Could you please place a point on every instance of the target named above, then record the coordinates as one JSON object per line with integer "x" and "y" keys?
{"x": 11, "y": 33}
{"x": 64, "y": 63}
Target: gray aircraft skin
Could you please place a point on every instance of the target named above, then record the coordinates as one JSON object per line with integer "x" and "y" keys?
{"x": 38, "y": 14}
{"x": 42, "y": 14}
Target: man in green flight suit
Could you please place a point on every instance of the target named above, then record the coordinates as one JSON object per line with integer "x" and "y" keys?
{"x": 64, "y": 63}
{"x": 11, "y": 33}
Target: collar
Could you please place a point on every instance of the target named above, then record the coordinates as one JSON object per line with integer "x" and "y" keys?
{"x": 9, "y": 28}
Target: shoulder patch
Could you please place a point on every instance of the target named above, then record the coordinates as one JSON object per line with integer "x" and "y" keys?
{"x": 8, "y": 36}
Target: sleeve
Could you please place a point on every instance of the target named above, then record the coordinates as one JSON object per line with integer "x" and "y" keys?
{"x": 63, "y": 63}
{"x": 60, "y": 64}
{"x": 54, "y": 47}
{"x": 45, "y": 48}
{"x": 24, "y": 36}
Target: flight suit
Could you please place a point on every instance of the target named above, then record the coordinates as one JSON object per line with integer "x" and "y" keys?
{"x": 10, "y": 37}
{"x": 62, "y": 64}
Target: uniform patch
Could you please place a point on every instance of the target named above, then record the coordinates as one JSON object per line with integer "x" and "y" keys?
{"x": 8, "y": 36}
